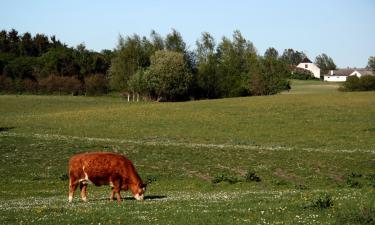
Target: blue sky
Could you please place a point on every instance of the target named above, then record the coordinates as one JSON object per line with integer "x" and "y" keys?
{"x": 345, "y": 30}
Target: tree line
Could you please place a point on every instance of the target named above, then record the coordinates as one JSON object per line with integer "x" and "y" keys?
{"x": 154, "y": 67}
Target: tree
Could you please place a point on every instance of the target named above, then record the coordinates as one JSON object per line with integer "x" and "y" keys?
{"x": 129, "y": 57}
{"x": 235, "y": 60}
{"x": 168, "y": 77}
{"x": 325, "y": 63}
{"x": 207, "y": 77}
{"x": 371, "y": 63}
{"x": 271, "y": 53}
{"x": 157, "y": 41}
{"x": 174, "y": 42}
{"x": 292, "y": 57}
{"x": 271, "y": 77}
{"x": 14, "y": 41}
{"x": 59, "y": 61}
{"x": 41, "y": 44}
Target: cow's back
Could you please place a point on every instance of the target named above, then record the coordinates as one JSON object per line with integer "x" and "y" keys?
{"x": 99, "y": 167}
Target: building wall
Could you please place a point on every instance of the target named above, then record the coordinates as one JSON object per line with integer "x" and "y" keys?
{"x": 311, "y": 67}
{"x": 335, "y": 78}
{"x": 356, "y": 73}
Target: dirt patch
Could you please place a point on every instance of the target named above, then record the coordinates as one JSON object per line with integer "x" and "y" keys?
{"x": 203, "y": 176}
{"x": 239, "y": 171}
{"x": 286, "y": 176}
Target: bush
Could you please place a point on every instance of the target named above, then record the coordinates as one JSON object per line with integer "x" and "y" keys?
{"x": 31, "y": 86}
{"x": 352, "y": 180}
{"x": 6, "y": 85}
{"x": 168, "y": 76}
{"x": 96, "y": 85}
{"x": 224, "y": 178}
{"x": 321, "y": 202}
{"x": 353, "y": 83}
{"x": 60, "y": 85}
{"x": 252, "y": 176}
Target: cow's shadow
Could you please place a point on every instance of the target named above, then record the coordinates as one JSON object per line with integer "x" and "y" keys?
{"x": 129, "y": 198}
{"x": 6, "y": 128}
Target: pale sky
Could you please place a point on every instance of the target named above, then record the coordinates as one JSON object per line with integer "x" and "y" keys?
{"x": 343, "y": 29}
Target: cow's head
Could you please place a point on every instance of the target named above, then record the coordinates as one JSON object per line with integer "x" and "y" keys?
{"x": 138, "y": 191}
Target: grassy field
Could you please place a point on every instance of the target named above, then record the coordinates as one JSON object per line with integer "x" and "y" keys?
{"x": 312, "y": 148}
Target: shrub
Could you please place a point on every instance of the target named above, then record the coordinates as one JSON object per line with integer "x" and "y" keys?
{"x": 224, "y": 178}
{"x": 60, "y": 85}
{"x": 352, "y": 180}
{"x": 168, "y": 76}
{"x": 321, "y": 202}
{"x": 371, "y": 179}
{"x": 353, "y": 83}
{"x": 252, "y": 176}
{"x": 96, "y": 85}
{"x": 31, "y": 86}
{"x": 6, "y": 84}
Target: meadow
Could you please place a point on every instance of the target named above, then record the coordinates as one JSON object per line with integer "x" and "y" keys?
{"x": 306, "y": 156}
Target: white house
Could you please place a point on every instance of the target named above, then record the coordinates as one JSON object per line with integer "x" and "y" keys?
{"x": 308, "y": 65}
{"x": 341, "y": 75}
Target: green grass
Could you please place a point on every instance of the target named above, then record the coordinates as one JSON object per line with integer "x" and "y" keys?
{"x": 303, "y": 146}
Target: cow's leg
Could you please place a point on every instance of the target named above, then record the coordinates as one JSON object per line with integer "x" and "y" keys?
{"x": 83, "y": 187}
{"x": 112, "y": 194}
{"x": 117, "y": 189}
{"x": 73, "y": 184}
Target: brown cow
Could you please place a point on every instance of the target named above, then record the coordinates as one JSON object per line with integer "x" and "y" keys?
{"x": 103, "y": 168}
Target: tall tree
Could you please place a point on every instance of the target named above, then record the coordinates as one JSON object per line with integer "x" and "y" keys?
{"x": 174, "y": 42}
{"x": 234, "y": 64}
{"x": 26, "y": 46}
{"x": 271, "y": 53}
{"x": 130, "y": 55}
{"x": 325, "y": 63}
{"x": 292, "y": 57}
{"x": 14, "y": 41}
{"x": 207, "y": 79}
{"x": 371, "y": 63}
{"x": 168, "y": 77}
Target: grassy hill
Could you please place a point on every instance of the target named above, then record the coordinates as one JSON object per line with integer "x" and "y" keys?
{"x": 310, "y": 147}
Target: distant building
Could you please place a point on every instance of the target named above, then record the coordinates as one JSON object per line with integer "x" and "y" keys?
{"x": 306, "y": 64}
{"x": 341, "y": 75}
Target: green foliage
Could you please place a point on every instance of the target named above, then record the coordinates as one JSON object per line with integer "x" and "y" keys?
{"x": 271, "y": 77}
{"x": 207, "y": 78}
{"x": 371, "y": 63}
{"x": 325, "y": 63}
{"x": 352, "y": 180}
{"x": 223, "y": 177}
{"x": 271, "y": 53}
{"x": 168, "y": 77}
{"x": 132, "y": 53}
{"x": 138, "y": 83}
{"x": 323, "y": 201}
{"x": 21, "y": 68}
{"x": 292, "y": 57}
{"x": 364, "y": 83}
{"x": 252, "y": 176}
{"x": 302, "y": 75}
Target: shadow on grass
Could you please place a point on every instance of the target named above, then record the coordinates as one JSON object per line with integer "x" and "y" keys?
{"x": 128, "y": 198}
{"x": 2, "y": 129}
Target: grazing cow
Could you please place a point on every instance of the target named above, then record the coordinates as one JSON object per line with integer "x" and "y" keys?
{"x": 103, "y": 168}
